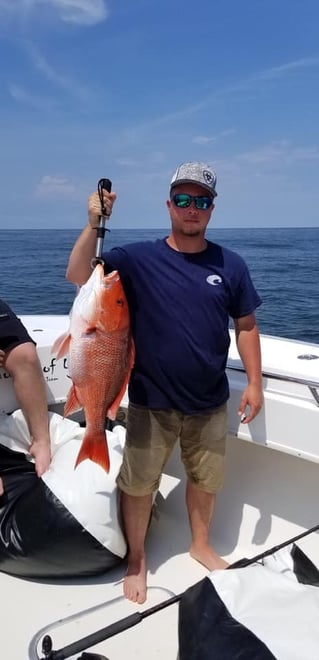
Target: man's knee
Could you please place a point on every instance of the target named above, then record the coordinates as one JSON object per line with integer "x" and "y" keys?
{"x": 20, "y": 357}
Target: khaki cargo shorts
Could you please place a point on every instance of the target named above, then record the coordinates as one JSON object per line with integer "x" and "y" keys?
{"x": 150, "y": 439}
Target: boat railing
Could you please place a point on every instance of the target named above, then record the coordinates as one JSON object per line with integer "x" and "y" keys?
{"x": 313, "y": 385}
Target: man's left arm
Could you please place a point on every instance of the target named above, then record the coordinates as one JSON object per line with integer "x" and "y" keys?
{"x": 248, "y": 344}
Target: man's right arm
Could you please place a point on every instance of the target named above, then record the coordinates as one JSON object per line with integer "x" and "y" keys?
{"x": 79, "y": 266}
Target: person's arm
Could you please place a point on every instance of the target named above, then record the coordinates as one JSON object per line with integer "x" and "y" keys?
{"x": 79, "y": 266}
{"x": 248, "y": 344}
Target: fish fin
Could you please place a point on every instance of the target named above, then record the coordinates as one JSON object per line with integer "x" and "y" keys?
{"x": 72, "y": 403}
{"x": 94, "y": 447}
{"x": 61, "y": 345}
{"x": 111, "y": 413}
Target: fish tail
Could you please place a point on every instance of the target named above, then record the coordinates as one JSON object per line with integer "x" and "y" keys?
{"x": 94, "y": 447}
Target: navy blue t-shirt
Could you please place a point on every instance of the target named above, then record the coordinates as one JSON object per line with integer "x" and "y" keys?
{"x": 180, "y": 305}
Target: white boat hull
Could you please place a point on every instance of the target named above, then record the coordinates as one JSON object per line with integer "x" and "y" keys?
{"x": 43, "y": 330}
{"x": 270, "y": 495}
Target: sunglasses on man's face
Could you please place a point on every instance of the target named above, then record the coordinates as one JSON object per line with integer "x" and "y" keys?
{"x": 183, "y": 201}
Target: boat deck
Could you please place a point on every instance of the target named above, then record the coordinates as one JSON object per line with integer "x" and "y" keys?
{"x": 267, "y": 499}
{"x": 270, "y": 495}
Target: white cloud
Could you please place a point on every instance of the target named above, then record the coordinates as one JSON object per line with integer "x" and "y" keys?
{"x": 250, "y": 84}
{"x": 58, "y": 79}
{"x": 153, "y": 158}
{"x": 84, "y": 12}
{"x": 80, "y": 12}
{"x": 282, "y": 69}
{"x": 54, "y": 186}
{"x": 275, "y": 166}
{"x": 203, "y": 139}
{"x": 279, "y": 152}
{"x": 208, "y": 139}
{"x": 26, "y": 96}
{"x": 128, "y": 162}
{"x": 21, "y": 95}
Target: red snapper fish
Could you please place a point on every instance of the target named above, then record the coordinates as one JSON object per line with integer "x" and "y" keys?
{"x": 101, "y": 353}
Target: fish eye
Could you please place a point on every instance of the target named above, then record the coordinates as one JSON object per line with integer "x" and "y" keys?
{"x": 120, "y": 301}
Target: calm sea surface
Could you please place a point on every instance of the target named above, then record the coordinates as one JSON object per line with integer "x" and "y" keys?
{"x": 284, "y": 264}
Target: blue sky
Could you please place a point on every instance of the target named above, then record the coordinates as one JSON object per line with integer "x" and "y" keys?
{"x": 128, "y": 89}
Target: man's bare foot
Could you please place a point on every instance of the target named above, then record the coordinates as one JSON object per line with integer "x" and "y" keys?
{"x": 1, "y": 487}
{"x": 40, "y": 450}
{"x": 135, "y": 581}
{"x": 208, "y": 557}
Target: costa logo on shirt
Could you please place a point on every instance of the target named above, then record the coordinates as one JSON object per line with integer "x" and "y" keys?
{"x": 214, "y": 280}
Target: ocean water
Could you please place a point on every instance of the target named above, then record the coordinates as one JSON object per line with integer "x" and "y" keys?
{"x": 284, "y": 264}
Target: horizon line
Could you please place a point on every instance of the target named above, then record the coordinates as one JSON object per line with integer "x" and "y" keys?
{"x": 24, "y": 228}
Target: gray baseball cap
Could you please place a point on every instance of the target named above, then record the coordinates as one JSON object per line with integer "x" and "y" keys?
{"x": 200, "y": 173}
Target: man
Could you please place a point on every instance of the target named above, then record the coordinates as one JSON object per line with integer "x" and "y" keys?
{"x": 181, "y": 292}
{"x": 18, "y": 356}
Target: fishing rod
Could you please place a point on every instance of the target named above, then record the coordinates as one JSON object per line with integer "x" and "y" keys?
{"x": 133, "y": 619}
{"x": 101, "y": 635}
{"x": 242, "y": 563}
{"x": 103, "y": 184}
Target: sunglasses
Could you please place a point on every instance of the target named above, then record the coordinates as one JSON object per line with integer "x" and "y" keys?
{"x": 183, "y": 201}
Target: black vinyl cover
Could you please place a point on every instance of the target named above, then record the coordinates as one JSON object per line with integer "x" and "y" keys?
{"x": 208, "y": 631}
{"x": 39, "y": 537}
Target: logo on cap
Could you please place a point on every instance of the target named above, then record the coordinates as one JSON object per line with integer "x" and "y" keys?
{"x": 208, "y": 177}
